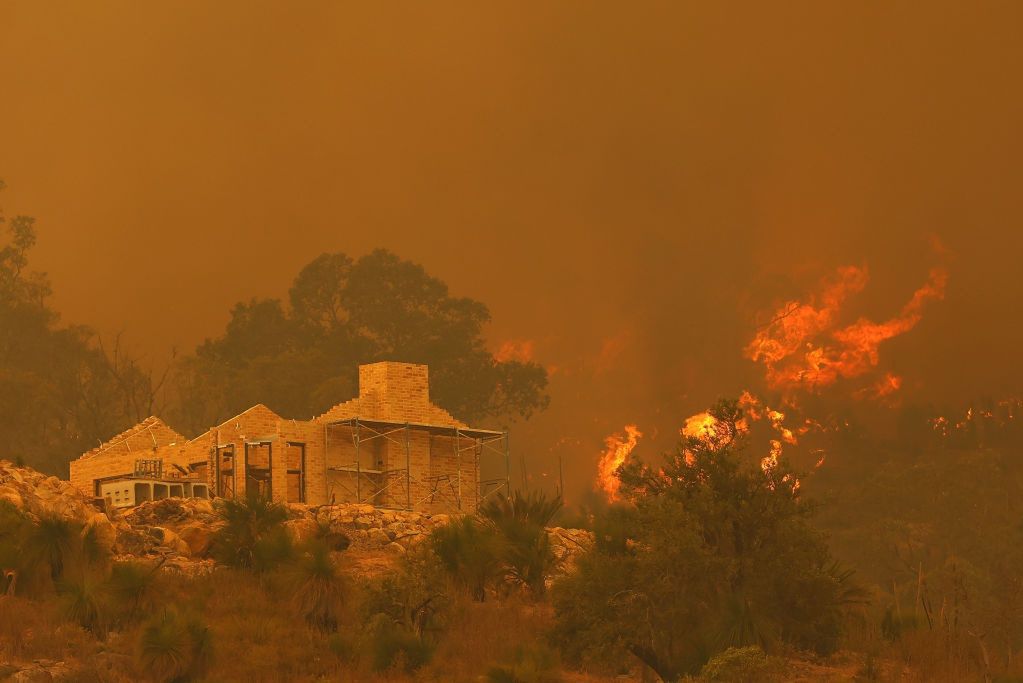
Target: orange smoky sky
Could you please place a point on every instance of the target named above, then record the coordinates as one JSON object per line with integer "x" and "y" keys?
{"x": 627, "y": 187}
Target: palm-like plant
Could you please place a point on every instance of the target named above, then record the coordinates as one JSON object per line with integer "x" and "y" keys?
{"x": 83, "y": 600}
{"x": 470, "y": 553}
{"x": 251, "y": 533}
{"x": 172, "y": 648}
{"x": 522, "y": 521}
{"x": 92, "y": 551}
{"x": 533, "y": 508}
{"x": 318, "y": 590}
{"x": 51, "y": 543}
{"x": 131, "y": 585}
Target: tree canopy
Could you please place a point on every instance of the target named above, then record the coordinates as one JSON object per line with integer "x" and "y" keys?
{"x": 62, "y": 391}
{"x": 59, "y": 393}
{"x": 713, "y": 551}
{"x": 301, "y": 357}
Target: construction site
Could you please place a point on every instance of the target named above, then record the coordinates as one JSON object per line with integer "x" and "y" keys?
{"x": 389, "y": 447}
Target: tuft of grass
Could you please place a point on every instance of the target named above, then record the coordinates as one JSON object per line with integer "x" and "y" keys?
{"x": 394, "y": 648}
{"x": 51, "y": 544}
{"x": 84, "y": 600}
{"x": 521, "y": 522}
{"x": 173, "y": 648}
{"x": 253, "y": 536}
{"x": 317, "y": 587}
{"x": 131, "y": 587}
{"x": 470, "y": 553}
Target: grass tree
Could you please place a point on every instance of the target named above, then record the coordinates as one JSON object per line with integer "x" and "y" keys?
{"x": 470, "y": 553}
{"x": 253, "y": 535}
{"x": 173, "y": 648}
{"x": 317, "y": 586}
{"x": 521, "y": 522}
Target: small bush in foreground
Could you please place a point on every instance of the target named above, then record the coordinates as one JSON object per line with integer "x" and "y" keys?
{"x": 395, "y": 648}
{"x": 173, "y": 648}
{"x": 470, "y": 553}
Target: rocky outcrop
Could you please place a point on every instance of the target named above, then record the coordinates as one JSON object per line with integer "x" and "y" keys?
{"x": 368, "y": 527}
{"x": 37, "y": 671}
{"x": 180, "y": 531}
{"x": 39, "y": 495}
{"x": 568, "y": 544}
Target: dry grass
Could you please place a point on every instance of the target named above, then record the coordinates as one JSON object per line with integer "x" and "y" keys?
{"x": 258, "y": 637}
{"x": 481, "y": 635}
{"x": 33, "y": 630}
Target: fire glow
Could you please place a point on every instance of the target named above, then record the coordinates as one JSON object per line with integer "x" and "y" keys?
{"x": 803, "y": 348}
{"x": 618, "y": 448}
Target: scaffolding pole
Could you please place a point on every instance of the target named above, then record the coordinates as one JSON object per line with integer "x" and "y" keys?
{"x": 458, "y": 467}
{"x": 507, "y": 465}
{"x": 408, "y": 468}
{"x": 356, "y": 441}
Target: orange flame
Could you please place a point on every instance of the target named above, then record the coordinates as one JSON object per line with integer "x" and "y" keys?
{"x": 619, "y": 446}
{"x": 886, "y": 386}
{"x": 751, "y": 405}
{"x": 771, "y": 461}
{"x": 790, "y": 348}
{"x": 700, "y": 426}
{"x": 795, "y": 322}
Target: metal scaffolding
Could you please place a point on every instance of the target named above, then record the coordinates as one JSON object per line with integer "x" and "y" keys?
{"x": 385, "y": 485}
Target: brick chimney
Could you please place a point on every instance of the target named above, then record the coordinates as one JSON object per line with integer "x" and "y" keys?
{"x": 396, "y": 391}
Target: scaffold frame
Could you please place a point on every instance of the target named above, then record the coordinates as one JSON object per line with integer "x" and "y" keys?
{"x": 370, "y": 484}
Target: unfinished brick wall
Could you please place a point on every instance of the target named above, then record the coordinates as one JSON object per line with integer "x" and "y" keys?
{"x": 438, "y": 479}
{"x": 118, "y": 455}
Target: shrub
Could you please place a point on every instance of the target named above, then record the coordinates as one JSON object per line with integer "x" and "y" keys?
{"x": 415, "y": 596}
{"x": 84, "y": 600}
{"x": 521, "y": 522}
{"x": 253, "y": 536}
{"x": 130, "y": 586}
{"x": 173, "y": 648}
{"x": 470, "y": 553}
{"x": 317, "y": 587}
{"x": 715, "y": 552}
{"x": 395, "y": 648}
{"x": 529, "y": 664}
{"x": 272, "y": 550}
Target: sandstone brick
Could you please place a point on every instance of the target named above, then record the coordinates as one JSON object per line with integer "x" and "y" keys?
{"x": 401, "y": 458}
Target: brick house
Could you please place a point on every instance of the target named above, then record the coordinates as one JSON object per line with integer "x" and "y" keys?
{"x": 390, "y": 447}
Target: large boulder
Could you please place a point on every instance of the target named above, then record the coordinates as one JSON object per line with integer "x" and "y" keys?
{"x": 102, "y": 531}
{"x": 199, "y": 538}
{"x": 171, "y": 512}
{"x": 170, "y": 540}
{"x": 43, "y": 496}
{"x": 302, "y": 530}
{"x": 568, "y": 544}
{"x": 378, "y": 537}
{"x": 135, "y": 541}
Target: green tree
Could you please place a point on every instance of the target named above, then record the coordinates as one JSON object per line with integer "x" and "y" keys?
{"x": 714, "y": 551}
{"x": 303, "y": 357}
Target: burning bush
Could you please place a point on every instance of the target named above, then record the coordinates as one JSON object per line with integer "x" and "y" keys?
{"x": 715, "y": 551}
